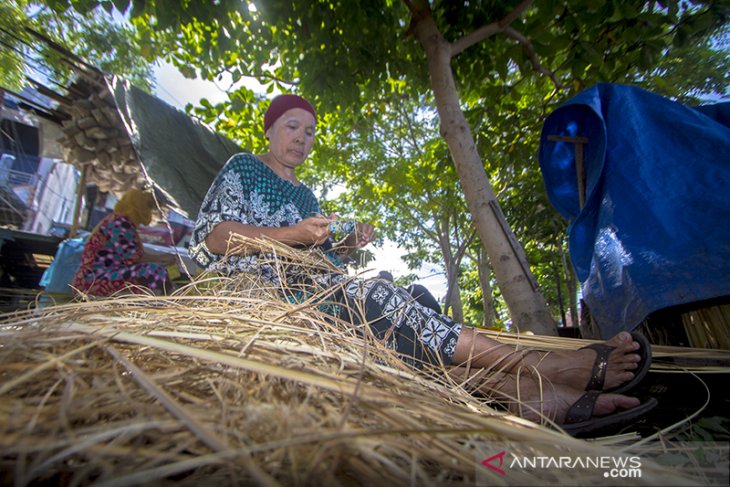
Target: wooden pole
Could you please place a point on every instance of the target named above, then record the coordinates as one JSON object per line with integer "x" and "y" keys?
{"x": 79, "y": 196}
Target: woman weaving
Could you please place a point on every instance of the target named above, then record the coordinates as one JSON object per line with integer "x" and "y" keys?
{"x": 260, "y": 196}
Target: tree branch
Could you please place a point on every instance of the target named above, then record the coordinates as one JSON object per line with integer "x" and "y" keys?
{"x": 411, "y": 133}
{"x": 488, "y": 30}
{"x": 527, "y": 45}
{"x": 257, "y": 77}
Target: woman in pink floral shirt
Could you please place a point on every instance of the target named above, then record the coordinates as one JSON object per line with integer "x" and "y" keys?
{"x": 113, "y": 255}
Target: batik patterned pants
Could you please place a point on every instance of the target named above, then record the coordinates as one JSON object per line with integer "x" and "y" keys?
{"x": 418, "y": 334}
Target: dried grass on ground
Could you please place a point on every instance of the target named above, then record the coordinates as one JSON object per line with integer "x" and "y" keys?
{"x": 223, "y": 384}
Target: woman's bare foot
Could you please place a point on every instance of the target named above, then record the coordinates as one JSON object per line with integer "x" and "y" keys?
{"x": 571, "y": 368}
{"x": 574, "y": 368}
{"x": 535, "y": 399}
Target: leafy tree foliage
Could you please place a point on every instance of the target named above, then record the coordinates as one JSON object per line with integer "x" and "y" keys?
{"x": 91, "y": 34}
{"x": 402, "y": 177}
{"x": 364, "y": 60}
{"x": 11, "y": 56}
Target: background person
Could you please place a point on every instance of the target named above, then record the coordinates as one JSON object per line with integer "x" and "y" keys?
{"x": 113, "y": 258}
{"x": 420, "y": 293}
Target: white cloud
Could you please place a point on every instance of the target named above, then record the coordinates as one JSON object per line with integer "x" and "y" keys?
{"x": 177, "y": 90}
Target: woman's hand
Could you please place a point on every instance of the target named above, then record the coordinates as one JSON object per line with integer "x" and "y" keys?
{"x": 313, "y": 230}
{"x": 364, "y": 234}
{"x": 310, "y": 231}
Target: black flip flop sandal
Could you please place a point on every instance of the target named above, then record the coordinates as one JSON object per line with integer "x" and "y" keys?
{"x": 600, "y": 365}
{"x": 580, "y": 422}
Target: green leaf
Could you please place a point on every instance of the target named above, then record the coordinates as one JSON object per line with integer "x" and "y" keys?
{"x": 593, "y": 5}
{"x": 122, "y": 5}
{"x": 627, "y": 8}
{"x": 187, "y": 71}
{"x": 84, "y": 7}
{"x": 138, "y": 8}
{"x": 107, "y": 5}
{"x": 59, "y": 6}
{"x": 716, "y": 424}
{"x": 237, "y": 105}
{"x": 617, "y": 14}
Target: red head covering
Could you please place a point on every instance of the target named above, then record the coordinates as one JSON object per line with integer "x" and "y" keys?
{"x": 281, "y": 104}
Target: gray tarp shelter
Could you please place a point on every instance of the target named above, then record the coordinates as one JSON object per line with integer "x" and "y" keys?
{"x": 181, "y": 155}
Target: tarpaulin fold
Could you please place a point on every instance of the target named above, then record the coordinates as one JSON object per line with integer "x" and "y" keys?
{"x": 181, "y": 155}
{"x": 655, "y": 228}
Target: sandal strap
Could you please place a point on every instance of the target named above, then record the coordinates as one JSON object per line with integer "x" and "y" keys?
{"x": 582, "y": 409}
{"x": 600, "y": 365}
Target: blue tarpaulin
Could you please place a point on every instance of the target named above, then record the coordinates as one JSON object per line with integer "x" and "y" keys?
{"x": 655, "y": 228}
{"x": 57, "y": 278}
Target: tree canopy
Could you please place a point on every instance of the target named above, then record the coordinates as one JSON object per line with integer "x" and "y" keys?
{"x": 91, "y": 33}
{"x": 490, "y": 70}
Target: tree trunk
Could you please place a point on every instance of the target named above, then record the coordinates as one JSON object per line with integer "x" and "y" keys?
{"x": 452, "y": 264}
{"x": 559, "y": 289}
{"x": 484, "y": 271}
{"x": 457, "y": 304}
{"x": 453, "y": 295}
{"x": 527, "y": 306}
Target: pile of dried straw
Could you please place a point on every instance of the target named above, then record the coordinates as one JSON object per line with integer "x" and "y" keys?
{"x": 231, "y": 386}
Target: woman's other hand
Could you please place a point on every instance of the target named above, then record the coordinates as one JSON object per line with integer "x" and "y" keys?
{"x": 364, "y": 234}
